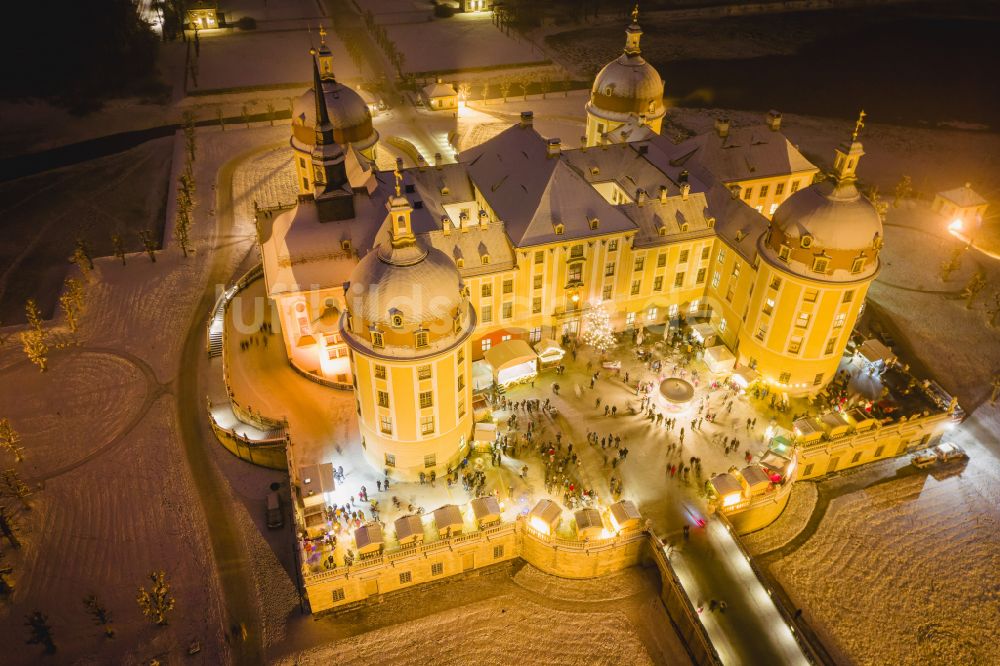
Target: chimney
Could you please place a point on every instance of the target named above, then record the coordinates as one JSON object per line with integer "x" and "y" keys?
{"x": 526, "y": 118}
{"x": 663, "y": 194}
{"x": 685, "y": 190}
{"x": 640, "y": 196}
{"x": 421, "y": 162}
{"x": 722, "y": 127}
{"x": 399, "y": 163}
{"x": 437, "y": 160}
{"x": 643, "y": 148}
{"x": 774, "y": 120}
{"x": 445, "y": 225}
{"x": 554, "y": 147}
{"x": 682, "y": 177}
{"x": 583, "y": 143}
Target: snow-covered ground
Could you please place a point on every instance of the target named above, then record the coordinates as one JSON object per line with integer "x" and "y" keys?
{"x": 792, "y": 520}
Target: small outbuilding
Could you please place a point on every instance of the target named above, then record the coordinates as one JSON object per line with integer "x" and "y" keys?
{"x": 876, "y": 356}
{"x": 486, "y": 511}
{"x": 448, "y": 520}
{"x": 545, "y": 516}
{"x": 369, "y": 540}
{"x": 860, "y": 419}
{"x": 836, "y": 424}
{"x": 549, "y": 352}
{"x": 728, "y": 488}
{"x": 807, "y": 429}
{"x": 441, "y": 96}
{"x": 512, "y": 361}
{"x": 963, "y": 205}
{"x": 409, "y": 530}
{"x": 778, "y": 467}
{"x": 703, "y": 333}
{"x": 484, "y": 435}
{"x": 755, "y": 480}
{"x": 589, "y": 524}
{"x": 624, "y": 515}
{"x": 719, "y": 359}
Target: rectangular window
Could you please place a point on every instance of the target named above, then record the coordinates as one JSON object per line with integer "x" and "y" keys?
{"x": 639, "y": 263}
{"x": 820, "y": 264}
{"x": 461, "y": 355}
{"x": 487, "y": 289}
{"x": 437, "y": 569}
{"x": 716, "y": 277}
{"x": 779, "y": 189}
{"x": 761, "y": 332}
{"x": 848, "y": 296}
{"x": 635, "y": 286}
{"x": 768, "y": 306}
{"x": 704, "y": 252}
{"x": 338, "y": 594}
{"x": 810, "y": 296}
{"x": 775, "y": 283}
{"x": 461, "y": 408}
{"x": 818, "y": 379}
{"x": 376, "y": 338}
{"x": 830, "y": 344}
{"x": 722, "y": 255}
{"x": 406, "y": 577}
{"x": 427, "y": 428}
{"x": 784, "y": 252}
{"x": 606, "y": 292}
{"x": 679, "y": 279}
{"x": 609, "y": 269}
{"x": 508, "y": 286}
{"x": 575, "y": 273}
{"x": 420, "y": 337}
{"x": 878, "y": 451}
{"x": 576, "y": 251}
{"x": 379, "y": 371}
{"x": 747, "y": 193}
{"x": 487, "y": 313}
{"x": 497, "y": 552}
{"x": 539, "y": 256}
{"x": 763, "y": 191}
{"x": 700, "y": 279}
{"x": 385, "y": 425}
{"x": 461, "y": 381}
{"x": 423, "y": 372}
{"x": 426, "y": 399}
{"x": 383, "y": 398}
{"x": 773, "y": 208}
{"x": 795, "y": 186}
{"x": 795, "y": 344}
{"x": 651, "y": 314}
{"x": 785, "y": 378}
{"x": 629, "y": 319}
{"x": 508, "y": 310}
{"x": 486, "y": 344}
{"x": 535, "y": 334}
{"x": 856, "y": 457}
{"x": 658, "y": 283}
{"x": 504, "y": 338}
{"x": 661, "y": 259}
{"x": 809, "y": 468}
{"x": 722, "y": 325}
{"x": 858, "y": 265}
{"x": 730, "y": 293}
{"x": 612, "y": 245}
{"x": 537, "y": 282}
{"x": 802, "y": 320}
{"x": 684, "y": 257}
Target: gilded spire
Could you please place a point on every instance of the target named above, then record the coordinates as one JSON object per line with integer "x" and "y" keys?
{"x": 322, "y": 35}
{"x": 858, "y": 126}
{"x": 399, "y": 179}
{"x": 635, "y": 13}
{"x": 632, "y": 34}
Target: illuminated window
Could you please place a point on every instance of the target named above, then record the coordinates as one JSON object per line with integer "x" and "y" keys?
{"x": 695, "y": 305}
{"x": 424, "y": 372}
{"x": 802, "y": 320}
{"x": 768, "y": 306}
{"x": 838, "y": 321}
{"x": 487, "y": 289}
{"x": 379, "y": 371}
{"x": 810, "y": 296}
{"x": 385, "y": 425}
{"x": 426, "y": 399}
{"x": 629, "y": 319}
{"x": 722, "y": 325}
{"x": 773, "y": 208}
{"x": 716, "y": 277}
{"x": 486, "y": 344}
{"x": 427, "y": 428}
{"x": 795, "y": 344}
{"x": 722, "y": 255}
{"x": 383, "y": 398}
{"x": 651, "y": 314}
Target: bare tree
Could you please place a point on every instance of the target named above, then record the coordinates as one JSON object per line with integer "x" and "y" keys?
{"x": 486, "y": 90}
{"x": 270, "y": 112}
{"x": 972, "y": 288}
{"x": 505, "y": 84}
{"x": 904, "y": 188}
{"x": 464, "y": 89}
{"x": 190, "y": 137}
{"x": 101, "y": 615}
{"x": 148, "y": 244}
{"x": 10, "y": 440}
{"x": 157, "y": 602}
{"x": 13, "y": 486}
{"x": 545, "y": 83}
{"x": 952, "y": 264}
{"x": 71, "y": 301}
{"x": 33, "y": 340}
{"x": 119, "y": 246}
{"x": 41, "y": 631}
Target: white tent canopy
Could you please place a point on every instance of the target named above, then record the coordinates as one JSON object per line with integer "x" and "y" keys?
{"x": 719, "y": 359}
{"x": 874, "y": 352}
{"x": 703, "y": 333}
{"x": 755, "y": 478}
{"x": 482, "y": 375}
{"x": 549, "y": 350}
{"x": 512, "y": 360}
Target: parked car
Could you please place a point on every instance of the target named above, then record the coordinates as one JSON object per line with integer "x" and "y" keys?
{"x": 275, "y": 518}
{"x": 924, "y": 458}
{"x": 946, "y": 452}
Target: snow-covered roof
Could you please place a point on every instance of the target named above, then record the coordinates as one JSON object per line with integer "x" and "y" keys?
{"x": 439, "y": 89}
{"x": 486, "y": 508}
{"x": 745, "y": 153}
{"x": 835, "y": 215}
{"x": 754, "y": 476}
{"x": 368, "y": 538}
{"x": 625, "y": 514}
{"x": 726, "y": 484}
{"x": 547, "y": 511}
{"x": 447, "y": 516}
{"x": 509, "y": 353}
{"x": 874, "y": 351}
{"x": 963, "y": 197}
{"x": 588, "y": 520}
{"x": 408, "y": 528}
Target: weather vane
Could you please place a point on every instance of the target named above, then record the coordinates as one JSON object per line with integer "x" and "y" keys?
{"x": 858, "y": 125}
{"x": 635, "y": 13}
{"x": 322, "y": 35}
{"x": 399, "y": 178}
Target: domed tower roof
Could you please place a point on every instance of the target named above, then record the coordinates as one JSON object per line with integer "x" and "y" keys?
{"x": 830, "y": 221}
{"x": 628, "y": 85}
{"x": 349, "y": 114}
{"x": 411, "y": 296}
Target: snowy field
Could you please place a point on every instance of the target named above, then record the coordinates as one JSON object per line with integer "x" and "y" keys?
{"x": 790, "y": 523}
{"x": 528, "y": 618}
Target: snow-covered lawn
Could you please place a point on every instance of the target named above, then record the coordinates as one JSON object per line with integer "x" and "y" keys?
{"x": 788, "y": 525}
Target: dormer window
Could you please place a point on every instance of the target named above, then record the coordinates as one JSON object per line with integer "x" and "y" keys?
{"x": 858, "y": 264}
{"x": 377, "y": 339}
{"x": 608, "y": 90}
{"x": 460, "y": 262}
{"x": 408, "y": 188}
{"x": 345, "y": 245}
{"x": 595, "y": 170}
{"x": 594, "y": 222}
{"x": 420, "y": 339}
{"x": 784, "y": 252}
{"x": 662, "y": 230}
{"x": 485, "y": 259}
{"x": 444, "y": 190}
{"x": 684, "y": 227}
{"x": 559, "y": 229}
{"x": 821, "y": 263}
{"x": 806, "y": 241}
{"x": 710, "y": 221}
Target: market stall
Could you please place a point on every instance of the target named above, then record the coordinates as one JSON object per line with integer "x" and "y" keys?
{"x": 704, "y": 334}
{"x": 860, "y": 419}
{"x": 728, "y": 488}
{"x": 719, "y": 359}
{"x": 409, "y": 530}
{"x": 484, "y": 435}
{"x": 549, "y": 352}
{"x": 545, "y": 516}
{"x": 448, "y": 520}
{"x": 316, "y": 484}
{"x": 624, "y": 515}
{"x": 876, "y": 358}
{"x": 486, "y": 511}
{"x": 807, "y": 429}
{"x": 778, "y": 467}
{"x": 744, "y": 375}
{"x": 836, "y": 424}
{"x": 482, "y": 375}
{"x": 369, "y": 540}
{"x": 512, "y": 361}
{"x": 755, "y": 480}
{"x": 588, "y": 523}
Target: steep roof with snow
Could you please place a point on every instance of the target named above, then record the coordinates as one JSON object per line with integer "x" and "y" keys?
{"x": 963, "y": 197}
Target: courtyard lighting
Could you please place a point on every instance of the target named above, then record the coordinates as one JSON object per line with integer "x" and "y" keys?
{"x": 955, "y": 226}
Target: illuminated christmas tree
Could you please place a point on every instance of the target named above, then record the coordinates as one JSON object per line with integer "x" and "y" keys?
{"x": 597, "y": 329}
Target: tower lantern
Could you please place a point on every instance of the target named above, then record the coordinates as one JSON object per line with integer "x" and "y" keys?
{"x": 845, "y": 165}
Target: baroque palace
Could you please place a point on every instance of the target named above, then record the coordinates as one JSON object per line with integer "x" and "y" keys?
{"x": 397, "y": 282}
